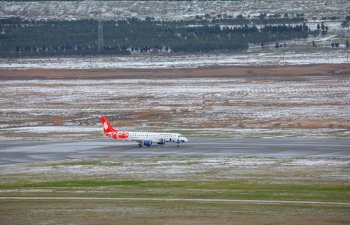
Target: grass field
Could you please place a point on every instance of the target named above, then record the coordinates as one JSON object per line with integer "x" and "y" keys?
{"x": 179, "y": 197}
{"x": 230, "y": 189}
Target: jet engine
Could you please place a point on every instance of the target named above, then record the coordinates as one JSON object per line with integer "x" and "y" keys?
{"x": 147, "y": 143}
{"x": 161, "y": 141}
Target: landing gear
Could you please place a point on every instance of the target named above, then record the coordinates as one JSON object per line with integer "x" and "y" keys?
{"x": 140, "y": 145}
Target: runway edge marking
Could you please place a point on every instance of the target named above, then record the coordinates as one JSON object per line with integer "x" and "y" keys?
{"x": 266, "y": 202}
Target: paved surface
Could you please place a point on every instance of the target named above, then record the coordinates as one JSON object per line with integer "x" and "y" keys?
{"x": 33, "y": 151}
{"x": 238, "y": 201}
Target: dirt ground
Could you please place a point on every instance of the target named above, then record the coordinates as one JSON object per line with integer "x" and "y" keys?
{"x": 287, "y": 71}
{"x": 285, "y": 100}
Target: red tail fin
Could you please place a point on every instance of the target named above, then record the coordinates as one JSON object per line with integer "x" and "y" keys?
{"x": 107, "y": 127}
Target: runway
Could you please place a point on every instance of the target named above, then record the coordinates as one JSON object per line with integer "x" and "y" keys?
{"x": 12, "y": 152}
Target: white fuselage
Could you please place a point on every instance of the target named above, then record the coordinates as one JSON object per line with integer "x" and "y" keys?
{"x": 154, "y": 137}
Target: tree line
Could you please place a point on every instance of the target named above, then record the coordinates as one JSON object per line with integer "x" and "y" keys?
{"x": 20, "y": 37}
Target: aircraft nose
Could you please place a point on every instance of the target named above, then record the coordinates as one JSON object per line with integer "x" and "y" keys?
{"x": 185, "y": 139}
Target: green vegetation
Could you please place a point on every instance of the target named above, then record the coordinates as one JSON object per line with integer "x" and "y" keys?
{"x": 73, "y": 183}
{"x": 186, "y": 189}
{"x": 260, "y": 180}
{"x": 20, "y": 37}
{"x": 77, "y": 163}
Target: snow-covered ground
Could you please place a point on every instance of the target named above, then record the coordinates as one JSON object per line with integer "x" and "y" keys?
{"x": 54, "y": 129}
{"x": 270, "y": 57}
{"x": 169, "y": 10}
{"x": 185, "y": 168}
{"x": 305, "y": 106}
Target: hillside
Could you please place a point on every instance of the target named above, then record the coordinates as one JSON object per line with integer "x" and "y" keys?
{"x": 169, "y": 10}
{"x": 275, "y": 32}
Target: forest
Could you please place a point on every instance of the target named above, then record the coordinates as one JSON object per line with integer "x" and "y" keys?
{"x": 20, "y": 37}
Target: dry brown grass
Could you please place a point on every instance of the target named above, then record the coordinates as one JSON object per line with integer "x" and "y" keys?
{"x": 321, "y": 123}
{"x": 70, "y": 212}
{"x": 288, "y": 72}
{"x": 320, "y": 102}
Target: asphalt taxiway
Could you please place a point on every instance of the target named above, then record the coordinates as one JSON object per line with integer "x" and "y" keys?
{"x": 12, "y": 152}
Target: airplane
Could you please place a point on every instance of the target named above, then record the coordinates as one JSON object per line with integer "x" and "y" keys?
{"x": 142, "y": 138}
